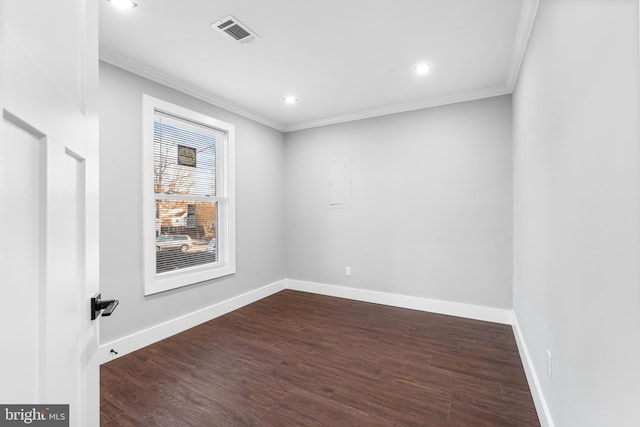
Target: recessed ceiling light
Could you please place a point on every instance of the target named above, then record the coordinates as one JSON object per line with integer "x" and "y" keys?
{"x": 422, "y": 68}
{"x": 123, "y": 4}
{"x": 290, "y": 99}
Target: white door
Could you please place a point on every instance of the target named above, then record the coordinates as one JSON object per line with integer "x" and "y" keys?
{"x": 48, "y": 205}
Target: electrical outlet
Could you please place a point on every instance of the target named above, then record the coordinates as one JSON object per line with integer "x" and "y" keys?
{"x": 549, "y": 365}
{"x": 348, "y": 271}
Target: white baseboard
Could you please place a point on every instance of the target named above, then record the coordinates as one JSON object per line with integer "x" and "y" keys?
{"x": 164, "y": 330}
{"x": 540, "y": 402}
{"x": 489, "y": 314}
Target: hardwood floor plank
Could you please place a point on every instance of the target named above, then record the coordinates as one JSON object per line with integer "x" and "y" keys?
{"x": 466, "y": 417}
{"x": 319, "y": 411}
{"x": 123, "y": 420}
{"x": 442, "y": 380}
{"x": 296, "y": 358}
{"x": 517, "y": 393}
{"x": 108, "y": 410}
{"x": 505, "y": 409}
{"x": 395, "y": 404}
{"x": 483, "y": 368}
{"x": 489, "y": 352}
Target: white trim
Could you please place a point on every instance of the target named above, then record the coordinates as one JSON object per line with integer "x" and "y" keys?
{"x": 525, "y": 25}
{"x": 527, "y": 18}
{"x": 544, "y": 414}
{"x": 489, "y": 314}
{"x": 164, "y": 330}
{"x": 130, "y": 65}
{"x": 155, "y": 283}
{"x": 402, "y": 108}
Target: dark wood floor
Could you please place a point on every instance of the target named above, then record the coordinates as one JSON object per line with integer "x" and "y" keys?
{"x": 299, "y": 359}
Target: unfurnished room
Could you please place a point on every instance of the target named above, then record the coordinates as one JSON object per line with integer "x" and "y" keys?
{"x": 338, "y": 213}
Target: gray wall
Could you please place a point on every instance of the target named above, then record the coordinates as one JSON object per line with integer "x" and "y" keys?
{"x": 431, "y": 207}
{"x": 259, "y": 205}
{"x": 577, "y": 210}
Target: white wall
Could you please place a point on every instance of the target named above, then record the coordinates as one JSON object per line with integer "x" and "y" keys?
{"x": 431, "y": 208}
{"x": 259, "y": 205}
{"x": 577, "y": 210}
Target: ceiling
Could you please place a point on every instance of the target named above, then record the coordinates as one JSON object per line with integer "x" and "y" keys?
{"x": 342, "y": 59}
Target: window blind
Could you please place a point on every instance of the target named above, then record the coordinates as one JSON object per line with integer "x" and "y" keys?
{"x": 184, "y": 156}
{"x": 185, "y": 186}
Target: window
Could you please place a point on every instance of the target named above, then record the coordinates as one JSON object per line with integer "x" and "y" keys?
{"x": 188, "y": 196}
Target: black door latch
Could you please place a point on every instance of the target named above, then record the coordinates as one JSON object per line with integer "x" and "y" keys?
{"x": 98, "y": 305}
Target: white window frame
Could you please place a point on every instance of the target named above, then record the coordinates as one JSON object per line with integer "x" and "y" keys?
{"x": 225, "y": 265}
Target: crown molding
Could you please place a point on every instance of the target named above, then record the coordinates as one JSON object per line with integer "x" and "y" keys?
{"x": 525, "y": 25}
{"x": 150, "y": 73}
{"x": 401, "y": 108}
{"x": 527, "y": 18}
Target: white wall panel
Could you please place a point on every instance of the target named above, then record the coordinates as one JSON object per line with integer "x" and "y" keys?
{"x": 577, "y": 209}
{"x": 431, "y": 204}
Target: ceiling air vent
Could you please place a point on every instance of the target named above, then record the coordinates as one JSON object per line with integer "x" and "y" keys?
{"x": 235, "y": 29}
